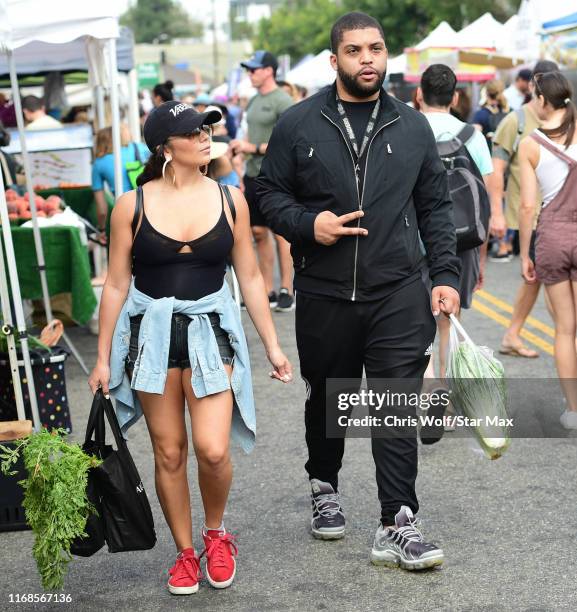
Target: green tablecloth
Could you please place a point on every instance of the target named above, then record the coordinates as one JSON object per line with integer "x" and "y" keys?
{"x": 67, "y": 267}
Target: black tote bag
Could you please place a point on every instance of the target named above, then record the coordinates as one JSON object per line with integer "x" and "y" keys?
{"x": 125, "y": 513}
{"x": 94, "y": 540}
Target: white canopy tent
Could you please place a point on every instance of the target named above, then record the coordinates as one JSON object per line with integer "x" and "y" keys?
{"x": 313, "y": 74}
{"x": 485, "y": 32}
{"x": 39, "y": 57}
{"x": 442, "y": 36}
{"x": 23, "y": 22}
{"x": 26, "y": 26}
{"x": 397, "y": 65}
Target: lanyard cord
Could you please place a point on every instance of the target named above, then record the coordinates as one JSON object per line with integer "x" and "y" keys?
{"x": 351, "y": 133}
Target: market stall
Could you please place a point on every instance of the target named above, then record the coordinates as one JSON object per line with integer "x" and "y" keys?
{"x": 40, "y": 58}
{"x": 559, "y": 40}
{"x": 443, "y": 45}
{"x": 23, "y": 22}
{"x": 68, "y": 272}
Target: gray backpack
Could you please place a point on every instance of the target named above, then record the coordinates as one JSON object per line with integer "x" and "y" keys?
{"x": 471, "y": 205}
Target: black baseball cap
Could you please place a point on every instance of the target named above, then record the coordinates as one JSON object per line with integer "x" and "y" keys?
{"x": 261, "y": 59}
{"x": 174, "y": 118}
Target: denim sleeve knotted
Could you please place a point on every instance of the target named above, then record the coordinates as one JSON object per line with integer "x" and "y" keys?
{"x": 208, "y": 373}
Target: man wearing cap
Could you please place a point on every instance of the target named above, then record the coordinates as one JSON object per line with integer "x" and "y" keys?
{"x": 262, "y": 113}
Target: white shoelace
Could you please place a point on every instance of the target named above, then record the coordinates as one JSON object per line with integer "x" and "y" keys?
{"x": 411, "y": 532}
{"x": 327, "y": 504}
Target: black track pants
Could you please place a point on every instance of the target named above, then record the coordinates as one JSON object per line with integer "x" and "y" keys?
{"x": 389, "y": 337}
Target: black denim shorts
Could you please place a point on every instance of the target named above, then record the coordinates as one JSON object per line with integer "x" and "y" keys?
{"x": 178, "y": 351}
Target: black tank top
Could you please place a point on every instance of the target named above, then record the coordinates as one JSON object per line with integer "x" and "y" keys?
{"x": 160, "y": 270}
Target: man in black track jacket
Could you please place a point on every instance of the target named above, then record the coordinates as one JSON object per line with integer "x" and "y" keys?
{"x": 350, "y": 179}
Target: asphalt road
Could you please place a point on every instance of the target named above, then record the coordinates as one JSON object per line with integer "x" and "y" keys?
{"x": 507, "y": 527}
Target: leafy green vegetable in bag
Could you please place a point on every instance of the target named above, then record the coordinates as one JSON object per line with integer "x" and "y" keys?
{"x": 478, "y": 390}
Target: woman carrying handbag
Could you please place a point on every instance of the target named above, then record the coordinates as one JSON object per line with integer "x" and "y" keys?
{"x": 173, "y": 334}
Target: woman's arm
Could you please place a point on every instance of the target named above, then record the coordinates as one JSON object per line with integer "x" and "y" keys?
{"x": 101, "y": 209}
{"x": 253, "y": 288}
{"x": 528, "y": 160}
{"x": 116, "y": 286}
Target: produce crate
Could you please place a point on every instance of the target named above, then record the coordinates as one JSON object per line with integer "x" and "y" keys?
{"x": 50, "y": 384}
{"x": 12, "y": 516}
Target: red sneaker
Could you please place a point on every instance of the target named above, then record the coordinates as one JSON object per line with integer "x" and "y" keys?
{"x": 185, "y": 573}
{"x": 220, "y": 550}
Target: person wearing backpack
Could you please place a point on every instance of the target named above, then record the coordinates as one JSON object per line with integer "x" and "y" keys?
{"x": 493, "y": 110}
{"x": 466, "y": 156}
{"x": 509, "y": 134}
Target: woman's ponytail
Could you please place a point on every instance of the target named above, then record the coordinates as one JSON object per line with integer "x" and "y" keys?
{"x": 152, "y": 169}
{"x": 557, "y": 92}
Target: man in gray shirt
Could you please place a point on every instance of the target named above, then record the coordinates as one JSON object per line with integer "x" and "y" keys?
{"x": 262, "y": 113}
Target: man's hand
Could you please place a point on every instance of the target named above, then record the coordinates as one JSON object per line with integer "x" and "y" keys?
{"x": 445, "y": 300}
{"x": 329, "y": 228}
{"x": 497, "y": 226}
{"x": 241, "y": 146}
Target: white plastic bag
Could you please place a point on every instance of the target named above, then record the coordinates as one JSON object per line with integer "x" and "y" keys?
{"x": 478, "y": 390}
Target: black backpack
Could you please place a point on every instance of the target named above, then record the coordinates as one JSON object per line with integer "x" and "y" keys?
{"x": 471, "y": 205}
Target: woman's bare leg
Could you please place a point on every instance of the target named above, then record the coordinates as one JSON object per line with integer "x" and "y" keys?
{"x": 210, "y": 419}
{"x": 166, "y": 425}
{"x": 562, "y": 298}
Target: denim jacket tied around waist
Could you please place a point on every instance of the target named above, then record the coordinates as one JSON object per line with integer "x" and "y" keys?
{"x": 208, "y": 373}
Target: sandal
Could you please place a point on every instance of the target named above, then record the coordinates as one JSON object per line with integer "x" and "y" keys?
{"x": 518, "y": 351}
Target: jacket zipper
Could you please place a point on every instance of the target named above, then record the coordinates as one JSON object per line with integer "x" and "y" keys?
{"x": 359, "y": 197}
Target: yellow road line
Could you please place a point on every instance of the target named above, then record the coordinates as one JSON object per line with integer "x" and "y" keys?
{"x": 531, "y": 321}
{"x": 545, "y": 346}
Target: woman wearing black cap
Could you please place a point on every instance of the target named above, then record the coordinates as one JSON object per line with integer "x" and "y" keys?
{"x": 176, "y": 335}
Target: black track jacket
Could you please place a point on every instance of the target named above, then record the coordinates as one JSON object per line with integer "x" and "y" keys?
{"x": 309, "y": 167}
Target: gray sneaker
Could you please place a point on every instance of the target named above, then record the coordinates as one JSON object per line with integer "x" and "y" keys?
{"x": 404, "y": 546}
{"x": 328, "y": 522}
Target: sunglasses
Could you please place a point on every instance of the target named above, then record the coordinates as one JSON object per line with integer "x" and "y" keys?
{"x": 204, "y": 129}
{"x": 253, "y": 70}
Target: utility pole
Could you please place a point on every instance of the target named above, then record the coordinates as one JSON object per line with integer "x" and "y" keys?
{"x": 216, "y": 74}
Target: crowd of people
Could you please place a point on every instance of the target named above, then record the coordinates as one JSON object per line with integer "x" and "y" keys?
{"x": 372, "y": 287}
{"x": 349, "y": 188}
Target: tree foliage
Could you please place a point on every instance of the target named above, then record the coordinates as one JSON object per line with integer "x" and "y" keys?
{"x": 303, "y": 26}
{"x": 160, "y": 20}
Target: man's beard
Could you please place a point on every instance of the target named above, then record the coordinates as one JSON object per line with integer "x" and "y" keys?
{"x": 355, "y": 88}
